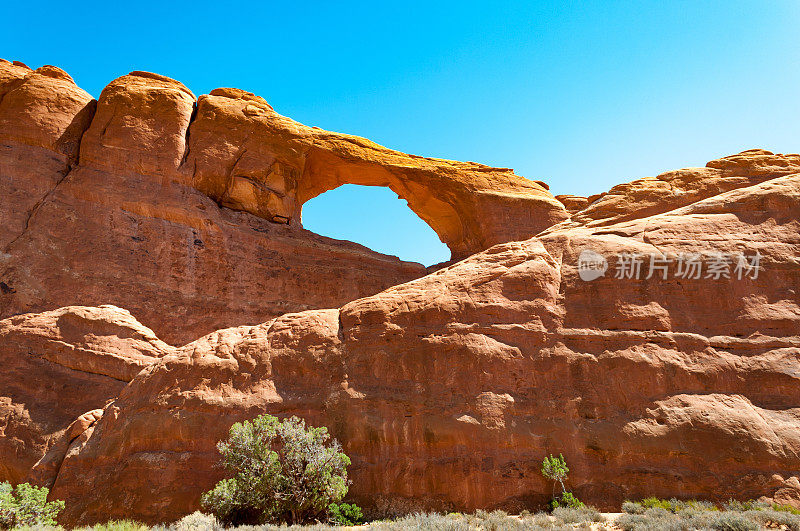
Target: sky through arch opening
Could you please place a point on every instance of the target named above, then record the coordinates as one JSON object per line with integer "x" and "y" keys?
{"x": 377, "y": 218}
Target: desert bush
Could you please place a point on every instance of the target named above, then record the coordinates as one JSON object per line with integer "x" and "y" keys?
{"x": 672, "y": 505}
{"x": 117, "y": 525}
{"x": 197, "y": 521}
{"x": 733, "y": 521}
{"x": 284, "y": 472}
{"x": 571, "y": 515}
{"x": 698, "y": 505}
{"x": 26, "y": 505}
{"x": 540, "y": 521}
{"x": 497, "y": 521}
{"x": 284, "y": 527}
{"x": 784, "y": 508}
{"x": 772, "y": 518}
{"x": 483, "y": 520}
{"x": 424, "y": 522}
{"x": 653, "y": 518}
{"x": 648, "y": 522}
{"x": 741, "y": 506}
{"x": 698, "y": 516}
{"x": 567, "y": 500}
{"x": 632, "y": 507}
{"x": 345, "y": 513}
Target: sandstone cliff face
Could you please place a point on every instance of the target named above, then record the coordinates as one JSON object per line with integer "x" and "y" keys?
{"x": 148, "y": 194}
{"x": 57, "y": 366}
{"x": 446, "y": 390}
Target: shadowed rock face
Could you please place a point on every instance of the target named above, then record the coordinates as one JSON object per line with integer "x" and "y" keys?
{"x": 446, "y": 390}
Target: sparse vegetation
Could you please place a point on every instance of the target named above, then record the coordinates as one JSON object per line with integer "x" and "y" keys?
{"x": 688, "y": 515}
{"x": 283, "y": 472}
{"x": 654, "y": 513}
{"x": 673, "y": 505}
{"x": 118, "y": 525}
{"x": 27, "y": 506}
{"x": 492, "y": 521}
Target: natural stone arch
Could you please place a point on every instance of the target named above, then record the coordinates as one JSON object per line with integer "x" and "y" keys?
{"x": 325, "y": 171}
{"x": 232, "y": 146}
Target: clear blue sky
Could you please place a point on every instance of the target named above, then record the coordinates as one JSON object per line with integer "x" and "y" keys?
{"x": 583, "y": 95}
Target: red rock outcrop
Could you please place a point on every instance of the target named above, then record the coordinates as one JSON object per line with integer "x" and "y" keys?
{"x": 573, "y": 203}
{"x": 678, "y": 188}
{"x": 57, "y": 366}
{"x": 156, "y": 196}
{"x": 42, "y": 116}
{"x": 447, "y": 390}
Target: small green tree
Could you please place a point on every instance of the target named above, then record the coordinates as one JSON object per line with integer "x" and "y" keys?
{"x": 556, "y": 469}
{"x": 284, "y": 472}
{"x": 26, "y": 505}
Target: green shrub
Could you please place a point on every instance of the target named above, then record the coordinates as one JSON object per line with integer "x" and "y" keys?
{"x": 26, "y": 505}
{"x": 785, "y": 508}
{"x": 749, "y": 505}
{"x": 284, "y": 472}
{"x": 657, "y": 503}
{"x": 345, "y": 513}
{"x": 672, "y": 505}
{"x": 567, "y": 500}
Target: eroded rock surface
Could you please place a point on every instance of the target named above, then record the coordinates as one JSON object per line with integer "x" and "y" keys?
{"x": 446, "y": 390}
{"x": 148, "y": 194}
{"x": 57, "y": 366}
{"x": 678, "y": 188}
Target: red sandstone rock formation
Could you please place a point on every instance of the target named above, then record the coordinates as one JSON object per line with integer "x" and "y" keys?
{"x": 57, "y": 366}
{"x": 573, "y": 203}
{"x": 156, "y": 196}
{"x": 447, "y": 390}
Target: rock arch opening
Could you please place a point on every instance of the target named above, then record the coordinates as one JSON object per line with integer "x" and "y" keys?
{"x": 374, "y": 216}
